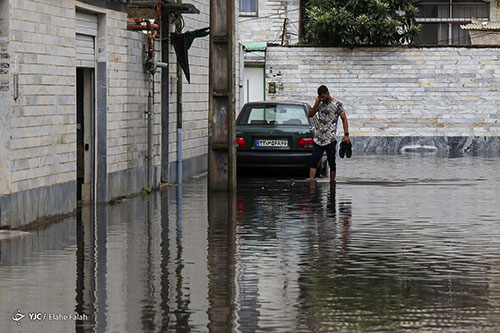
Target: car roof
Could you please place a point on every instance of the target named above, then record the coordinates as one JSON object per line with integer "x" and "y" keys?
{"x": 276, "y": 102}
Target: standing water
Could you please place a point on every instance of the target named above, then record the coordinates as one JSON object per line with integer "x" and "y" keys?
{"x": 406, "y": 242}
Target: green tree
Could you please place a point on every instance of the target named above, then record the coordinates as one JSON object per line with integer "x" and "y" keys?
{"x": 361, "y": 22}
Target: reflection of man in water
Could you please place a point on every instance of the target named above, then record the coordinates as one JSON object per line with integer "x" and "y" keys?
{"x": 345, "y": 214}
{"x": 323, "y": 221}
{"x": 327, "y": 221}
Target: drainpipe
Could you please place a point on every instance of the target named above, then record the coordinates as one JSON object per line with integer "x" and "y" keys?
{"x": 165, "y": 101}
{"x": 179, "y": 115}
{"x": 150, "y": 131}
{"x": 179, "y": 124}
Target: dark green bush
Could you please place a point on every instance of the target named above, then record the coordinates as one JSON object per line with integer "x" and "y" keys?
{"x": 361, "y": 22}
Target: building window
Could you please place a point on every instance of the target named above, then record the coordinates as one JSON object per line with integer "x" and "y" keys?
{"x": 441, "y": 20}
{"x": 248, "y": 7}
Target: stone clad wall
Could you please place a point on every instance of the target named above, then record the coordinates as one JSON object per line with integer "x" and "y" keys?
{"x": 43, "y": 119}
{"x": 5, "y": 95}
{"x": 397, "y": 92}
{"x": 127, "y": 121}
{"x": 194, "y": 99}
{"x": 38, "y": 130}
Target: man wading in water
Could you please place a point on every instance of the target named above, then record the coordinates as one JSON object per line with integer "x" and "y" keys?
{"x": 329, "y": 110}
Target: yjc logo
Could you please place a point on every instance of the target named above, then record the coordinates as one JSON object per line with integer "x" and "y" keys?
{"x": 18, "y": 316}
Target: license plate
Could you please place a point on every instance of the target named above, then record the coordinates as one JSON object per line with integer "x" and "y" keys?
{"x": 271, "y": 143}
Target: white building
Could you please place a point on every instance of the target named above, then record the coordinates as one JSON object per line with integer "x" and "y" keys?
{"x": 74, "y": 108}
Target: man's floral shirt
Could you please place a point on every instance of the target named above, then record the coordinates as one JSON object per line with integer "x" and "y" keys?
{"x": 328, "y": 116}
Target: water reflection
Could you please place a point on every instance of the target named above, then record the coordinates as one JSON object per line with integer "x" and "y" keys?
{"x": 85, "y": 268}
{"x": 221, "y": 262}
{"x": 399, "y": 243}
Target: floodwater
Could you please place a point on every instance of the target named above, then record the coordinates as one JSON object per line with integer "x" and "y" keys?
{"x": 400, "y": 243}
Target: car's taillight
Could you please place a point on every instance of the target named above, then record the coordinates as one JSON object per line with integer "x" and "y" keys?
{"x": 305, "y": 143}
{"x": 240, "y": 142}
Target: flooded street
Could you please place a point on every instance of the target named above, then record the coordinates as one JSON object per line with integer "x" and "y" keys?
{"x": 401, "y": 242}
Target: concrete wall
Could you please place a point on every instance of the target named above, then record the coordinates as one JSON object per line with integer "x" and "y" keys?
{"x": 394, "y": 92}
{"x": 268, "y": 25}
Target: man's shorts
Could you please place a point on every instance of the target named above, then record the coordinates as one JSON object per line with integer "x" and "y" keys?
{"x": 317, "y": 153}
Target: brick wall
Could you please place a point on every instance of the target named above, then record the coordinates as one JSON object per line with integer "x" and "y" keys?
{"x": 268, "y": 25}
{"x": 397, "y": 91}
{"x": 42, "y": 48}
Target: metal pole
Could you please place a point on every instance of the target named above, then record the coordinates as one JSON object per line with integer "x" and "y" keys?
{"x": 221, "y": 132}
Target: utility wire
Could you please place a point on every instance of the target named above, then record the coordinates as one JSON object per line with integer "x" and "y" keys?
{"x": 268, "y": 16}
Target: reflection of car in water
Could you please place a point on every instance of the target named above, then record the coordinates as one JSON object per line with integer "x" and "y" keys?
{"x": 275, "y": 135}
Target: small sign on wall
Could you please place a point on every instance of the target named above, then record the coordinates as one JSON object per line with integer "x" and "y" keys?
{"x": 272, "y": 87}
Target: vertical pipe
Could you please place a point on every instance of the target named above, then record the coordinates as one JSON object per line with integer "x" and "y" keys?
{"x": 179, "y": 124}
{"x": 165, "y": 102}
{"x": 179, "y": 155}
{"x": 179, "y": 114}
{"x": 150, "y": 131}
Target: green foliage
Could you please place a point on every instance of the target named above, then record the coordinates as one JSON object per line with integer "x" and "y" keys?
{"x": 361, "y": 22}
{"x": 145, "y": 192}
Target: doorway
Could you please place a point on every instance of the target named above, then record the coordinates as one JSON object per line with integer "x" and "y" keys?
{"x": 254, "y": 83}
{"x": 84, "y": 134}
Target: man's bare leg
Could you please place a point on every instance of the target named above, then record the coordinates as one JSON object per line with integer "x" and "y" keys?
{"x": 332, "y": 176}
{"x": 312, "y": 173}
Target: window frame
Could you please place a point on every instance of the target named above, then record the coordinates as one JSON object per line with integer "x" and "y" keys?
{"x": 249, "y": 14}
{"x": 452, "y": 19}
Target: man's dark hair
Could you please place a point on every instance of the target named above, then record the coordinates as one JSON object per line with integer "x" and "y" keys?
{"x": 322, "y": 89}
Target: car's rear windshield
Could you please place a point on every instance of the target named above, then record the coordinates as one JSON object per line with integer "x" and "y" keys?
{"x": 274, "y": 115}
